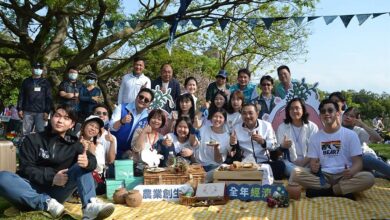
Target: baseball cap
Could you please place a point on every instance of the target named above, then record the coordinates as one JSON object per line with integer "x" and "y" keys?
{"x": 94, "y": 118}
{"x": 37, "y": 65}
{"x": 222, "y": 73}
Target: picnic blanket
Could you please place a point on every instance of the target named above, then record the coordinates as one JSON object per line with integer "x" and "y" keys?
{"x": 371, "y": 204}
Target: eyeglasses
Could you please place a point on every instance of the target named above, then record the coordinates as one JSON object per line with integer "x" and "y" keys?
{"x": 266, "y": 84}
{"x": 144, "y": 99}
{"x": 101, "y": 113}
{"x": 327, "y": 110}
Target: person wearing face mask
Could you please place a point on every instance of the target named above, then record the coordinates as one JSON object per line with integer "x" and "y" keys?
{"x": 69, "y": 89}
{"x": 34, "y": 100}
{"x": 90, "y": 95}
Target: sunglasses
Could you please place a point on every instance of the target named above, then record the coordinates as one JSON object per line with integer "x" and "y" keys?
{"x": 327, "y": 110}
{"x": 144, "y": 99}
{"x": 101, "y": 113}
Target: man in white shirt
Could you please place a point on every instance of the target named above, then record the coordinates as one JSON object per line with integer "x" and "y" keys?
{"x": 133, "y": 82}
{"x": 256, "y": 138}
{"x": 335, "y": 159}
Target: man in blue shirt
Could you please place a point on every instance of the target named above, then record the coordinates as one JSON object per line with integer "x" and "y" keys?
{"x": 244, "y": 84}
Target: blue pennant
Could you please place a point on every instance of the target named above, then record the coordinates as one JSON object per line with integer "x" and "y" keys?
{"x": 109, "y": 24}
{"x": 133, "y": 23}
{"x": 122, "y": 24}
{"x": 298, "y": 20}
{"x": 329, "y": 19}
{"x": 183, "y": 23}
{"x": 158, "y": 23}
{"x": 252, "y": 23}
{"x": 311, "y": 18}
{"x": 196, "y": 22}
{"x": 268, "y": 22}
{"x": 374, "y": 15}
{"x": 362, "y": 18}
{"x": 346, "y": 19}
{"x": 223, "y": 23}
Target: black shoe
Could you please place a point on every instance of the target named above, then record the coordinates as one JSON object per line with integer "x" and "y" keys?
{"x": 349, "y": 196}
{"x": 311, "y": 193}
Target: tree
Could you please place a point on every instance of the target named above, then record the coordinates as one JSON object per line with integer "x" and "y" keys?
{"x": 63, "y": 33}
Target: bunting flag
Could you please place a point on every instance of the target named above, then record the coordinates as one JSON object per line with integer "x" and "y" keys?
{"x": 362, "y": 18}
{"x": 268, "y": 22}
{"x": 346, "y": 19}
{"x": 298, "y": 20}
{"x": 252, "y": 23}
{"x": 329, "y": 19}
{"x": 197, "y": 22}
{"x": 311, "y": 18}
{"x": 374, "y": 15}
{"x": 223, "y": 23}
{"x": 158, "y": 23}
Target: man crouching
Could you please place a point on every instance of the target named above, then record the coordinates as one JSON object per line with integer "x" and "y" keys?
{"x": 53, "y": 164}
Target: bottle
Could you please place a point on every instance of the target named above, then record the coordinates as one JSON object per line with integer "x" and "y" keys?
{"x": 171, "y": 159}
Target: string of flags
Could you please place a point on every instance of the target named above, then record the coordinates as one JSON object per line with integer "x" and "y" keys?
{"x": 252, "y": 22}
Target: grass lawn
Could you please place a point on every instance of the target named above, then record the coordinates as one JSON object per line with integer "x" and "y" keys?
{"x": 382, "y": 149}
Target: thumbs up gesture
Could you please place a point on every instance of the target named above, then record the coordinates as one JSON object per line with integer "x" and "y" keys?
{"x": 167, "y": 142}
{"x": 257, "y": 137}
{"x": 61, "y": 178}
{"x": 127, "y": 118}
{"x": 286, "y": 142}
{"x": 315, "y": 165}
{"x": 82, "y": 159}
{"x": 109, "y": 136}
{"x": 233, "y": 138}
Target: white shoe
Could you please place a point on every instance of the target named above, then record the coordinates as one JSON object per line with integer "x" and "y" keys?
{"x": 54, "y": 208}
{"x": 97, "y": 209}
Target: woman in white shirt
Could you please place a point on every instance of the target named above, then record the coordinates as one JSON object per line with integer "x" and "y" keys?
{"x": 293, "y": 135}
{"x": 236, "y": 101}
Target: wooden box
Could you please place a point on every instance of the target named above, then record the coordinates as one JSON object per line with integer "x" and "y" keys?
{"x": 7, "y": 156}
{"x": 167, "y": 177}
{"x": 238, "y": 177}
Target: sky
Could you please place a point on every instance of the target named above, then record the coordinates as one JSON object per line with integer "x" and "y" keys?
{"x": 339, "y": 58}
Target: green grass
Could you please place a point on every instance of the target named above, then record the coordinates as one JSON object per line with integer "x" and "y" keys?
{"x": 382, "y": 149}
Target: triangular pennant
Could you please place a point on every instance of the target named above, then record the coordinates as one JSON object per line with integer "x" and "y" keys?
{"x": 374, "y": 15}
{"x": 346, "y": 19}
{"x": 280, "y": 18}
{"x": 252, "y": 23}
{"x": 121, "y": 24}
{"x": 329, "y": 19}
{"x": 183, "y": 23}
{"x": 196, "y": 22}
{"x": 133, "y": 23}
{"x": 158, "y": 23}
{"x": 298, "y": 20}
{"x": 362, "y": 18}
{"x": 311, "y": 18}
{"x": 223, "y": 23}
{"x": 268, "y": 22}
{"x": 109, "y": 24}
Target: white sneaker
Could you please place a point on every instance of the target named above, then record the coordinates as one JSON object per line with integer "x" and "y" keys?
{"x": 96, "y": 209}
{"x": 54, "y": 208}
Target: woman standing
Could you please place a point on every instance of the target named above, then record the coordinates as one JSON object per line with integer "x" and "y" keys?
{"x": 293, "y": 135}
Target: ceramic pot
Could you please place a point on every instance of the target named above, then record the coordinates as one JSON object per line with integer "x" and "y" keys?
{"x": 294, "y": 191}
{"x": 119, "y": 196}
{"x": 133, "y": 198}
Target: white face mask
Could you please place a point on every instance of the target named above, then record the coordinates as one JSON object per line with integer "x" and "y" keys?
{"x": 90, "y": 81}
{"x": 73, "y": 76}
{"x": 38, "y": 72}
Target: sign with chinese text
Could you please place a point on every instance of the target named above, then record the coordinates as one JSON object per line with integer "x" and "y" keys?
{"x": 159, "y": 192}
{"x": 253, "y": 192}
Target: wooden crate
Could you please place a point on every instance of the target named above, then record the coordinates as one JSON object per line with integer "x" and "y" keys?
{"x": 238, "y": 177}
{"x": 195, "y": 173}
{"x": 7, "y": 156}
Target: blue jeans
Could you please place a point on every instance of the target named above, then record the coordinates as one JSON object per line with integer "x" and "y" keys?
{"x": 289, "y": 167}
{"x": 370, "y": 163}
{"x": 30, "y": 119}
{"x": 28, "y": 196}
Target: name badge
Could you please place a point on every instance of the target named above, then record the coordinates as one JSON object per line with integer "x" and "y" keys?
{"x": 37, "y": 89}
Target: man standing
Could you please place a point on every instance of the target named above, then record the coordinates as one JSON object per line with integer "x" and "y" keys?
{"x": 244, "y": 85}
{"x": 34, "y": 101}
{"x": 133, "y": 82}
{"x": 166, "y": 81}
{"x": 69, "y": 89}
{"x": 285, "y": 84}
{"x": 335, "y": 159}
{"x": 127, "y": 117}
{"x": 53, "y": 164}
{"x": 219, "y": 84}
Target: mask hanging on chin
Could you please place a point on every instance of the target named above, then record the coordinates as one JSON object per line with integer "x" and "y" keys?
{"x": 38, "y": 72}
{"x": 73, "y": 76}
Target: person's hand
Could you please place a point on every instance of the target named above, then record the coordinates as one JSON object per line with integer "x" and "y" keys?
{"x": 147, "y": 129}
{"x": 109, "y": 137}
{"x": 227, "y": 92}
{"x": 45, "y": 116}
{"x": 175, "y": 115}
{"x": 82, "y": 159}
{"x": 61, "y": 178}
{"x": 347, "y": 173}
{"x": 167, "y": 142}
{"x": 257, "y": 137}
{"x": 85, "y": 143}
{"x": 127, "y": 119}
{"x": 233, "y": 138}
{"x": 20, "y": 113}
{"x": 144, "y": 85}
{"x": 186, "y": 152}
{"x": 315, "y": 166}
{"x": 96, "y": 98}
{"x": 286, "y": 142}
{"x": 206, "y": 104}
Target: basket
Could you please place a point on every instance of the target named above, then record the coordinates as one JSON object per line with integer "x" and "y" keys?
{"x": 187, "y": 200}
{"x": 196, "y": 174}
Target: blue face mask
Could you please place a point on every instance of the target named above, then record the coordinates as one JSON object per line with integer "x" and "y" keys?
{"x": 38, "y": 72}
{"x": 90, "y": 81}
{"x": 73, "y": 76}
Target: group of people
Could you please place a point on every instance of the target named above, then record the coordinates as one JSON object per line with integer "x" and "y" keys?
{"x": 228, "y": 127}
